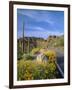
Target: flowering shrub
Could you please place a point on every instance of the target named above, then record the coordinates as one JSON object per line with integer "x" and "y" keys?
{"x": 32, "y": 70}
{"x": 51, "y": 55}
{"x": 35, "y": 50}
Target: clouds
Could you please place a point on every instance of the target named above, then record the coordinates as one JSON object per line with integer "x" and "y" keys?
{"x": 37, "y": 15}
{"x": 44, "y": 34}
{"x": 39, "y": 32}
{"x": 40, "y": 23}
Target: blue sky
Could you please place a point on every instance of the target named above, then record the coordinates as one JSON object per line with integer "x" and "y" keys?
{"x": 40, "y": 23}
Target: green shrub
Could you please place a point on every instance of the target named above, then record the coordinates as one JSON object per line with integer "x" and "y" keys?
{"x": 35, "y": 50}
{"x": 51, "y": 55}
{"x": 50, "y": 70}
{"x": 28, "y": 57}
{"x": 60, "y": 42}
{"x": 19, "y": 52}
{"x": 32, "y": 70}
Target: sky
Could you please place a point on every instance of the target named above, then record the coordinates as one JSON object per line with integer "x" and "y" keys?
{"x": 39, "y": 23}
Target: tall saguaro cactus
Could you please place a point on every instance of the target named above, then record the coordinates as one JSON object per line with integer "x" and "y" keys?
{"x": 23, "y": 37}
{"x": 24, "y": 40}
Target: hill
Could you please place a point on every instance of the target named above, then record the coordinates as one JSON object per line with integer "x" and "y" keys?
{"x": 55, "y": 41}
{"x": 34, "y": 42}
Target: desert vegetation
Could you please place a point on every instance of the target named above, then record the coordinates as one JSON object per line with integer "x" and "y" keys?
{"x": 33, "y": 70}
{"x": 37, "y": 61}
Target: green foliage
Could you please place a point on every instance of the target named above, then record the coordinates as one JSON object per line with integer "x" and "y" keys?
{"x": 32, "y": 70}
{"x": 51, "y": 55}
{"x": 28, "y": 57}
{"x": 60, "y": 42}
{"x": 50, "y": 70}
{"x": 55, "y": 42}
{"x": 19, "y": 52}
{"x": 35, "y": 50}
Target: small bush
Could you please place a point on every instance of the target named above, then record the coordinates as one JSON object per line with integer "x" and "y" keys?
{"x": 51, "y": 55}
{"x": 19, "y": 52}
{"x": 35, "y": 50}
{"x": 28, "y": 57}
{"x": 50, "y": 70}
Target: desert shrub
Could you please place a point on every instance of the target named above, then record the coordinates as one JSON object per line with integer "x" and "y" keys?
{"x": 32, "y": 70}
{"x": 60, "y": 42}
{"x": 50, "y": 70}
{"x": 28, "y": 57}
{"x": 51, "y": 55}
{"x": 19, "y": 52}
{"x": 35, "y": 50}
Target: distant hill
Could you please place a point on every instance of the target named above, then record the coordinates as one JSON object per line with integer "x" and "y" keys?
{"x": 55, "y": 41}
{"x": 33, "y": 42}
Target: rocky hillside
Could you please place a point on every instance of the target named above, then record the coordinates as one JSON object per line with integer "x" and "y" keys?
{"x": 55, "y": 41}
{"x": 33, "y": 42}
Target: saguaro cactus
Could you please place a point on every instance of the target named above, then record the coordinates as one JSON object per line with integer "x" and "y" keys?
{"x": 23, "y": 37}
